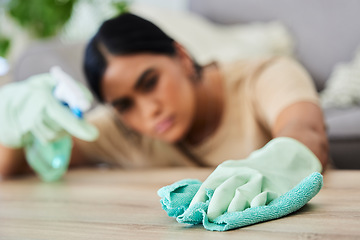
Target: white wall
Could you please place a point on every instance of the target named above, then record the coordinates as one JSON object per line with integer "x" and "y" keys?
{"x": 168, "y": 4}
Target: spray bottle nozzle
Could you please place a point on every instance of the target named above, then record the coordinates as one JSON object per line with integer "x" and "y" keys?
{"x": 69, "y": 92}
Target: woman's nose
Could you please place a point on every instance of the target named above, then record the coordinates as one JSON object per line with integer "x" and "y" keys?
{"x": 150, "y": 108}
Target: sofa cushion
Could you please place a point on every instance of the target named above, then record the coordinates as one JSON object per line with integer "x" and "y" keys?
{"x": 343, "y": 127}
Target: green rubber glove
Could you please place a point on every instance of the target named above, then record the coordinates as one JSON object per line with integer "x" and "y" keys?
{"x": 29, "y": 107}
{"x": 264, "y": 176}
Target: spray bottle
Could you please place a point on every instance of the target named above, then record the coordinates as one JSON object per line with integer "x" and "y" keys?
{"x": 50, "y": 160}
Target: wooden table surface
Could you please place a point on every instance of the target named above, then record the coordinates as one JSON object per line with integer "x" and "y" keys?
{"x": 116, "y": 204}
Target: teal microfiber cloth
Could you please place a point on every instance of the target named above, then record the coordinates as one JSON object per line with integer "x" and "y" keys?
{"x": 176, "y": 198}
{"x": 268, "y": 184}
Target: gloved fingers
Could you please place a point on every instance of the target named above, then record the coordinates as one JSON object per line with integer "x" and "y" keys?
{"x": 50, "y": 124}
{"x": 281, "y": 206}
{"x": 45, "y": 130}
{"x": 11, "y": 137}
{"x": 10, "y": 133}
{"x": 245, "y": 193}
{"x": 43, "y": 80}
{"x": 39, "y": 135}
{"x": 13, "y": 97}
{"x": 239, "y": 202}
{"x": 224, "y": 194}
{"x": 263, "y": 198}
{"x": 21, "y": 105}
{"x": 68, "y": 121}
{"x": 221, "y": 174}
{"x": 212, "y": 182}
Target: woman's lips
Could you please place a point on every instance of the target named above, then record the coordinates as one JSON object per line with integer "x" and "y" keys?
{"x": 164, "y": 125}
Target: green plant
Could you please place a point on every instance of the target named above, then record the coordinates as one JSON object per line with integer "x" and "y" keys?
{"x": 45, "y": 18}
{"x": 42, "y": 18}
{"x": 121, "y": 6}
{"x": 4, "y": 46}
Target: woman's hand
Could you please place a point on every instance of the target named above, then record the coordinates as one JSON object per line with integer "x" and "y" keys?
{"x": 257, "y": 180}
{"x": 29, "y": 107}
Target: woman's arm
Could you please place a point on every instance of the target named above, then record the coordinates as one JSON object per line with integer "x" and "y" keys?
{"x": 304, "y": 122}
{"x": 12, "y": 162}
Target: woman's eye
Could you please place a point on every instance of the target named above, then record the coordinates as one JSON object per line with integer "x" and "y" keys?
{"x": 150, "y": 83}
{"x": 124, "y": 105}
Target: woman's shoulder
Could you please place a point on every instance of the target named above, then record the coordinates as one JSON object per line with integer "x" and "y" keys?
{"x": 249, "y": 65}
{"x": 99, "y": 111}
{"x": 246, "y": 69}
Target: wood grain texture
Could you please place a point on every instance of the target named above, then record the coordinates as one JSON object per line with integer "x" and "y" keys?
{"x": 117, "y": 204}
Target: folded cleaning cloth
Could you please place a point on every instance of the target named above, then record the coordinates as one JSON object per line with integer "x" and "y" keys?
{"x": 176, "y": 198}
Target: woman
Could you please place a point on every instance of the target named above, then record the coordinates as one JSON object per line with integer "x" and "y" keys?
{"x": 163, "y": 109}
{"x": 209, "y": 113}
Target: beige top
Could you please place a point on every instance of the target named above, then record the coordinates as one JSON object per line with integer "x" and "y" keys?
{"x": 256, "y": 92}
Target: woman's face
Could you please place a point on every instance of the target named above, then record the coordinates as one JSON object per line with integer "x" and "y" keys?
{"x": 152, "y": 93}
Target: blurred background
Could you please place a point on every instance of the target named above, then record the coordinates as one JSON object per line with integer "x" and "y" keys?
{"x": 25, "y": 24}
{"x": 323, "y": 35}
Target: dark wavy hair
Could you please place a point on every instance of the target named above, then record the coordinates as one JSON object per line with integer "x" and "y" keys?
{"x": 124, "y": 34}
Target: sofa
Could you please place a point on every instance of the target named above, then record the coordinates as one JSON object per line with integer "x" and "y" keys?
{"x": 325, "y": 33}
